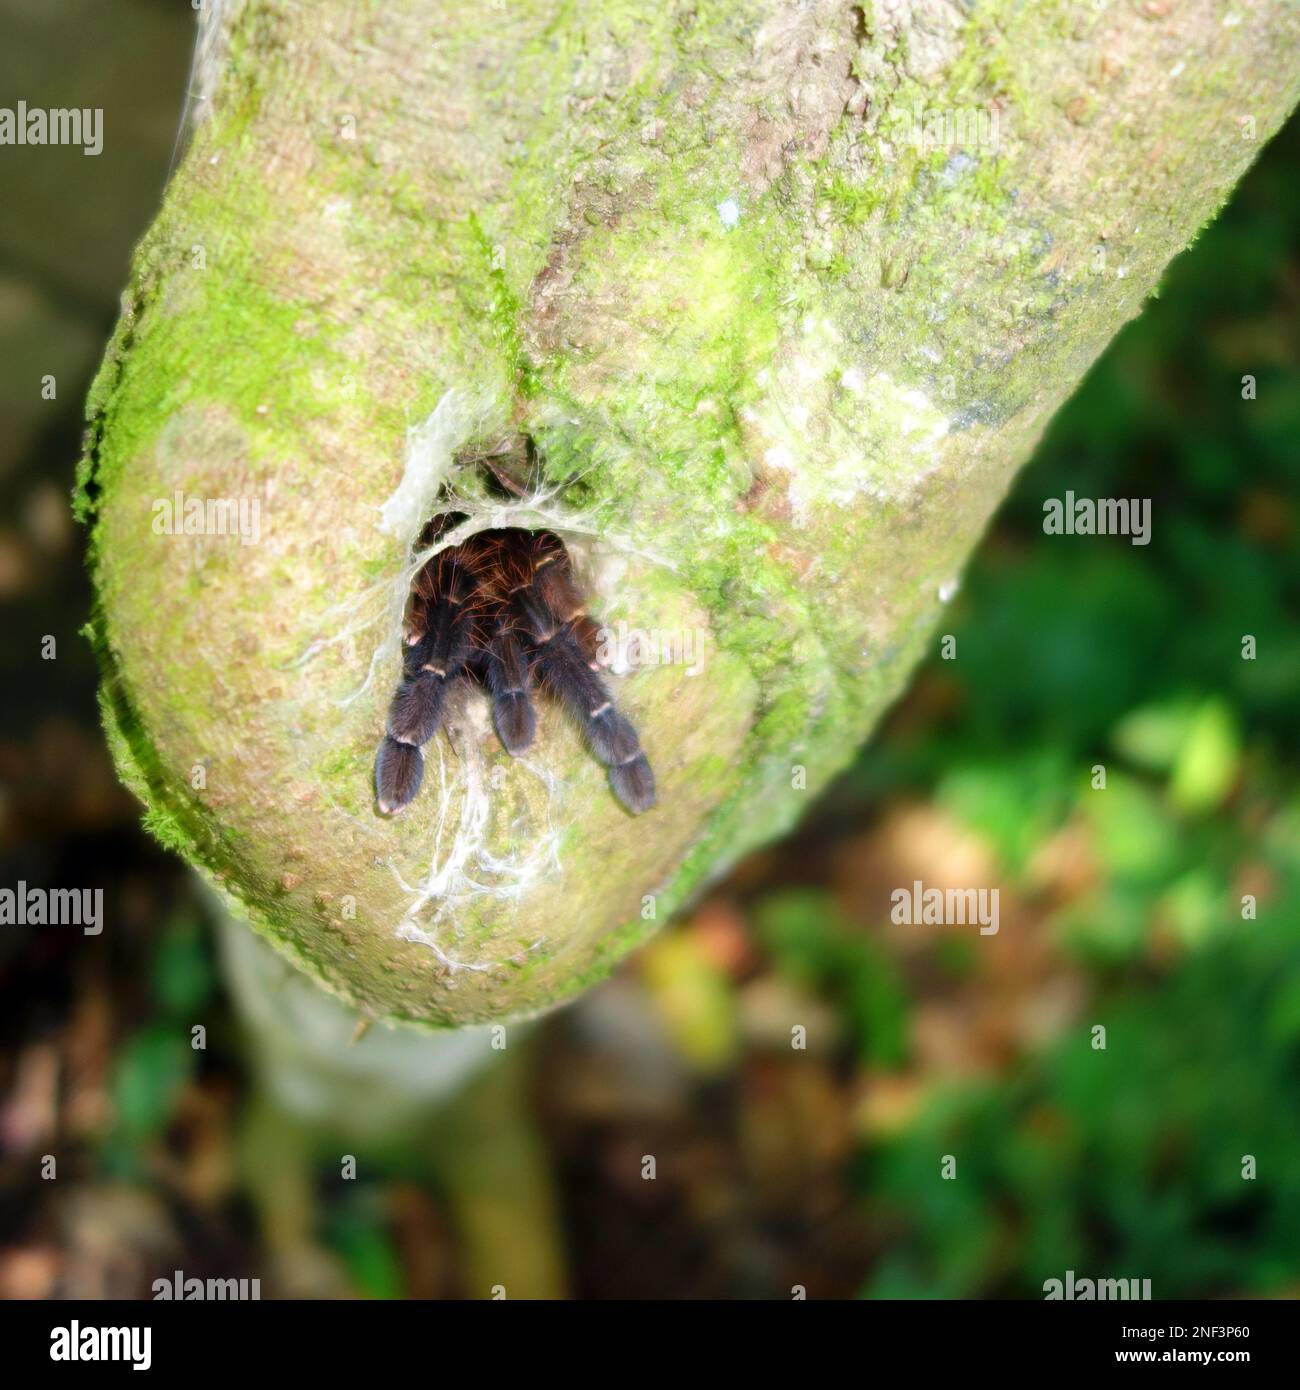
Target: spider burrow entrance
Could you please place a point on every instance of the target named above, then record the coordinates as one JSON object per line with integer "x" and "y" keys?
{"x": 502, "y": 609}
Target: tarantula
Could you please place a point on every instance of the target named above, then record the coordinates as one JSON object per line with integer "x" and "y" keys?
{"x": 502, "y": 608}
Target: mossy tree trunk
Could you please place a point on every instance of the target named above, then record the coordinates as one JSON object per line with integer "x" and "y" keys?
{"x": 784, "y": 291}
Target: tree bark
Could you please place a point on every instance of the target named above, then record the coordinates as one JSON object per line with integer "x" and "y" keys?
{"x": 784, "y": 291}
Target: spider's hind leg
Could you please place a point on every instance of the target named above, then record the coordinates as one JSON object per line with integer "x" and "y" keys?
{"x": 417, "y": 707}
{"x": 564, "y": 638}
{"x": 399, "y": 770}
{"x": 435, "y": 656}
{"x": 612, "y": 738}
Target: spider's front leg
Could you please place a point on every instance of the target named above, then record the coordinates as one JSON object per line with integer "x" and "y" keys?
{"x": 552, "y": 612}
{"x": 438, "y": 647}
{"x": 508, "y": 680}
{"x": 611, "y": 737}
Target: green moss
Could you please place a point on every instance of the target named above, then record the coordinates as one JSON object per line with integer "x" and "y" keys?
{"x": 167, "y": 818}
{"x": 807, "y": 416}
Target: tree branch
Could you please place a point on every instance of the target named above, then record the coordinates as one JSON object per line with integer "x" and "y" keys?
{"x": 789, "y": 287}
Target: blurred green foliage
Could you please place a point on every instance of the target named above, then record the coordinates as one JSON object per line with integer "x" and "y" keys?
{"x": 814, "y": 948}
{"x": 356, "y": 1228}
{"x": 154, "y": 1065}
{"x": 1122, "y": 1163}
{"x": 1074, "y": 652}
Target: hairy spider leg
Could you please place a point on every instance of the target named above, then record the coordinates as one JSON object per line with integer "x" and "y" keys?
{"x": 434, "y": 661}
{"x": 399, "y": 770}
{"x": 565, "y": 670}
{"x": 508, "y": 680}
{"x": 554, "y": 585}
{"x": 498, "y": 559}
{"x": 504, "y": 607}
{"x": 443, "y": 627}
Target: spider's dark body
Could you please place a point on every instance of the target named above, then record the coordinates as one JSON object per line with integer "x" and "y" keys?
{"x": 502, "y": 608}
